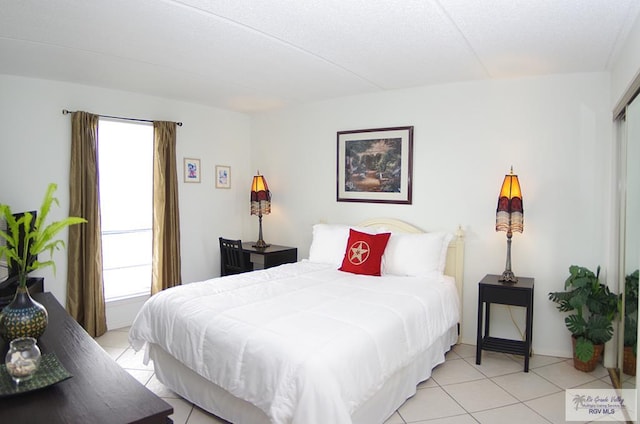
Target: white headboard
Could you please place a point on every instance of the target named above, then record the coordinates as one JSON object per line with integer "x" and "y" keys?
{"x": 455, "y": 254}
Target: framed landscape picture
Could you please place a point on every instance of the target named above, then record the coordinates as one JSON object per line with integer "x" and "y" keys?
{"x": 375, "y": 165}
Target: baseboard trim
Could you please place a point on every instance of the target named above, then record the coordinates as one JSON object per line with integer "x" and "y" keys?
{"x": 121, "y": 313}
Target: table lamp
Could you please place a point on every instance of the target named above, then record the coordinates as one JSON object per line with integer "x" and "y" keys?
{"x": 260, "y": 204}
{"x": 510, "y": 218}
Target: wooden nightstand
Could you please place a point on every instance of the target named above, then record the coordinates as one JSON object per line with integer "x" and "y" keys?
{"x": 268, "y": 257}
{"x": 490, "y": 290}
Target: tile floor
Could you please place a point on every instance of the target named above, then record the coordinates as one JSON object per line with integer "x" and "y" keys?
{"x": 458, "y": 392}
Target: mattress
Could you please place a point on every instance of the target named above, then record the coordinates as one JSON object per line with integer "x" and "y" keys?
{"x": 304, "y": 342}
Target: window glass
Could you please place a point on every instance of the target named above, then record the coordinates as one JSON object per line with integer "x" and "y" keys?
{"x": 125, "y": 161}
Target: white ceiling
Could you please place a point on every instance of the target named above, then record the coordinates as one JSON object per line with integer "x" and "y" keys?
{"x": 251, "y": 55}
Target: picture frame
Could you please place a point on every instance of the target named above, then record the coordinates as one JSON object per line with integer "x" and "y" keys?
{"x": 192, "y": 170}
{"x": 223, "y": 176}
{"x": 375, "y": 165}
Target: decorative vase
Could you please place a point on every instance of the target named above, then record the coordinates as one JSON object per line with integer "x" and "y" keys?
{"x": 22, "y": 359}
{"x": 23, "y": 317}
{"x": 629, "y": 361}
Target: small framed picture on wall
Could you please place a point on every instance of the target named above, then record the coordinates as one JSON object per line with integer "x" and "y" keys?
{"x": 191, "y": 170}
{"x": 223, "y": 176}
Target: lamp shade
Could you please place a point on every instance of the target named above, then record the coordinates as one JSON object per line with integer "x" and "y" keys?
{"x": 510, "y": 213}
{"x": 260, "y": 196}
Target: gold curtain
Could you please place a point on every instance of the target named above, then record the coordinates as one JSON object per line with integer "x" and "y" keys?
{"x": 85, "y": 294}
{"x": 166, "y": 220}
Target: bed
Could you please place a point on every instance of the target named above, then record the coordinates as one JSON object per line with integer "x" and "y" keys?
{"x": 308, "y": 343}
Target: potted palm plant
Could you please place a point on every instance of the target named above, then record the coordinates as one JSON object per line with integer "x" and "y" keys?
{"x": 593, "y": 307}
{"x": 24, "y": 240}
{"x": 630, "y": 323}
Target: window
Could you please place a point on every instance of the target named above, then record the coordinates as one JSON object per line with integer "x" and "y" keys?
{"x": 125, "y": 161}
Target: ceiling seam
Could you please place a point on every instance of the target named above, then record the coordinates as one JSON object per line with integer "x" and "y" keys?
{"x": 616, "y": 46}
{"x": 134, "y": 60}
{"x": 464, "y": 37}
{"x": 124, "y": 58}
{"x": 278, "y": 39}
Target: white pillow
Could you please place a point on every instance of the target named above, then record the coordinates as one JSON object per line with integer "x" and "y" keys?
{"x": 416, "y": 255}
{"x": 329, "y": 242}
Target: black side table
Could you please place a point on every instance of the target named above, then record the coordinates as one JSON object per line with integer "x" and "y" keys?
{"x": 490, "y": 290}
{"x": 263, "y": 258}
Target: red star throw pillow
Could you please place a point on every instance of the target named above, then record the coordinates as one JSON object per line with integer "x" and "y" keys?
{"x": 364, "y": 252}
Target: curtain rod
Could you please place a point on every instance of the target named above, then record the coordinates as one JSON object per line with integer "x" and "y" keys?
{"x": 67, "y": 112}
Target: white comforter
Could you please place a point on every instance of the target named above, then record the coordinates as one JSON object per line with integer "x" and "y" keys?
{"x": 303, "y": 342}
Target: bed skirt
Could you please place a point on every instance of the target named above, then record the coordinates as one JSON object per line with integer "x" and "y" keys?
{"x": 377, "y": 409}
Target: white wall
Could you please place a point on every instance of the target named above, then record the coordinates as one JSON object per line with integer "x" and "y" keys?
{"x": 555, "y": 131}
{"x": 35, "y": 147}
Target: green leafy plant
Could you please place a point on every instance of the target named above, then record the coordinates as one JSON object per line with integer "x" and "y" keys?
{"x": 594, "y": 307}
{"x": 37, "y": 237}
{"x": 631, "y": 311}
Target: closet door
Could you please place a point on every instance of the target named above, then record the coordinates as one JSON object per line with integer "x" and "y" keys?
{"x": 630, "y": 255}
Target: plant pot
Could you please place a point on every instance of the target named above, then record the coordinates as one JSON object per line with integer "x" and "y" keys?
{"x": 629, "y": 361}
{"x": 591, "y": 364}
{"x": 23, "y": 317}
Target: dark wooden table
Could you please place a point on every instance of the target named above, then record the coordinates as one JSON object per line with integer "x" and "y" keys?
{"x": 268, "y": 257}
{"x": 100, "y": 391}
{"x": 491, "y": 290}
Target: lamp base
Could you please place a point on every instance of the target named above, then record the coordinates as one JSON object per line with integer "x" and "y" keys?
{"x": 508, "y": 277}
{"x": 261, "y": 244}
